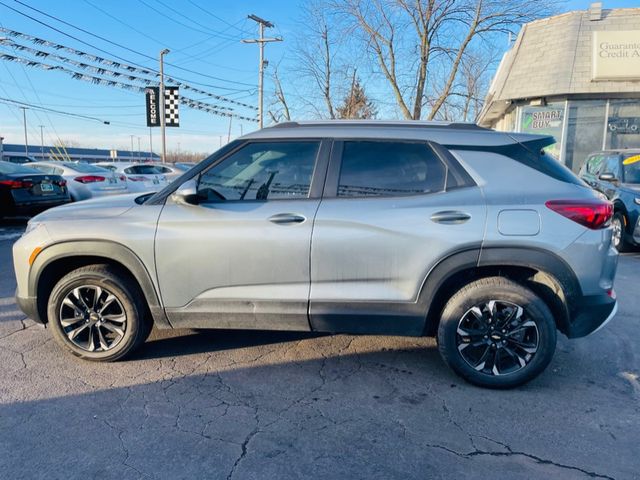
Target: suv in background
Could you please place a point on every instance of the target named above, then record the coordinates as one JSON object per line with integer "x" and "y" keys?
{"x": 616, "y": 174}
{"x": 20, "y": 159}
{"x": 397, "y": 228}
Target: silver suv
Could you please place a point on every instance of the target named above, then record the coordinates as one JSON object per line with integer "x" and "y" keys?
{"x": 394, "y": 228}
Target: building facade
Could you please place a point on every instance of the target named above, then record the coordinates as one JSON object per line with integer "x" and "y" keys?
{"x": 575, "y": 76}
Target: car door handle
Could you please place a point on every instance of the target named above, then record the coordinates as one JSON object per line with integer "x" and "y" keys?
{"x": 450, "y": 217}
{"x": 286, "y": 218}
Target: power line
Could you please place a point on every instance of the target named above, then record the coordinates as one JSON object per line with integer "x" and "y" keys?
{"x": 115, "y": 44}
{"x": 218, "y": 18}
{"x": 8, "y": 101}
{"x": 126, "y": 70}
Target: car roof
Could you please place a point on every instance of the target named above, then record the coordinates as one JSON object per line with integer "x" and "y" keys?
{"x": 446, "y": 133}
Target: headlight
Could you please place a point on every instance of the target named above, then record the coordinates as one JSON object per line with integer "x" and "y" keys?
{"x": 637, "y": 200}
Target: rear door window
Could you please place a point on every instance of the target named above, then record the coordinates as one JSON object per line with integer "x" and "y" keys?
{"x": 390, "y": 168}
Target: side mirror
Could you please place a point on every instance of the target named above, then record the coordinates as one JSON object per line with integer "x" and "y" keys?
{"x": 186, "y": 194}
{"x": 608, "y": 177}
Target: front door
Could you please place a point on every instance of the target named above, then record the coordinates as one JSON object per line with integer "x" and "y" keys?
{"x": 239, "y": 256}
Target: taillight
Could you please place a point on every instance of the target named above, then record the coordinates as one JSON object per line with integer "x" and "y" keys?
{"x": 17, "y": 183}
{"x": 89, "y": 179}
{"x": 593, "y": 214}
{"x": 123, "y": 178}
{"x": 11, "y": 183}
{"x": 137, "y": 179}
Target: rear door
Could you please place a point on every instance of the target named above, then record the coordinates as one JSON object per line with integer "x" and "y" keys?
{"x": 391, "y": 210}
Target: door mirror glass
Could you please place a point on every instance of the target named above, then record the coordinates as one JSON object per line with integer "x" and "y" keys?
{"x": 186, "y": 193}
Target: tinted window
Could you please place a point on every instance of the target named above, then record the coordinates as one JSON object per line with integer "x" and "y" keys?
{"x": 593, "y": 164}
{"x": 631, "y": 168}
{"x": 261, "y": 171}
{"x": 612, "y": 165}
{"x": 389, "y": 168}
{"x": 143, "y": 170}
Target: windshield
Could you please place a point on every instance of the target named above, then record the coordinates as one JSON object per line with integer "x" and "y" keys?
{"x": 631, "y": 167}
{"x": 7, "y": 168}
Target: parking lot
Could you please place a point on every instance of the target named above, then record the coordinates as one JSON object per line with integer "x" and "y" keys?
{"x": 225, "y": 404}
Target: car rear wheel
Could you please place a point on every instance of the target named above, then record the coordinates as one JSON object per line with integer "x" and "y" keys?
{"x": 96, "y": 313}
{"x": 497, "y": 333}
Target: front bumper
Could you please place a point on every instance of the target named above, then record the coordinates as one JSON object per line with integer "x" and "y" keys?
{"x": 592, "y": 313}
{"x": 29, "y": 306}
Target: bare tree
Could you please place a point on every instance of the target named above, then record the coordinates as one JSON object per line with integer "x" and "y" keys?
{"x": 281, "y": 109}
{"x": 413, "y": 39}
{"x": 317, "y": 51}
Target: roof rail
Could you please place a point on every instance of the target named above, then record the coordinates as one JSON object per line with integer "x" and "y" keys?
{"x": 380, "y": 123}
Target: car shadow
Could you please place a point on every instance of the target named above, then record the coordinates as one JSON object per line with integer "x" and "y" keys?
{"x": 175, "y": 343}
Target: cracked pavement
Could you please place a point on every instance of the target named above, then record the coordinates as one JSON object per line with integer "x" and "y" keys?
{"x": 238, "y": 405}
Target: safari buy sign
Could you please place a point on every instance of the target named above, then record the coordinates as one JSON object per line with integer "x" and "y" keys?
{"x": 616, "y": 55}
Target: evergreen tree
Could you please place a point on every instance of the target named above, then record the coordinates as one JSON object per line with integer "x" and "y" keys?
{"x": 356, "y": 105}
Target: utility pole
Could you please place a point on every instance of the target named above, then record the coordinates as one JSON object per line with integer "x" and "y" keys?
{"x": 131, "y": 148}
{"x": 229, "y": 132}
{"x": 26, "y": 140}
{"x": 139, "y": 153}
{"x": 1, "y": 149}
{"x": 162, "y": 114}
{"x": 261, "y": 41}
{"x": 41, "y": 142}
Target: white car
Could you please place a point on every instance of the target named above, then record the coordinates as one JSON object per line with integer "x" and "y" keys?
{"x": 85, "y": 180}
{"x": 141, "y": 177}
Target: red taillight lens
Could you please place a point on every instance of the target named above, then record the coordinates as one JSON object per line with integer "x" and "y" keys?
{"x": 11, "y": 183}
{"x": 123, "y": 178}
{"x": 593, "y": 214}
{"x": 137, "y": 179}
{"x": 89, "y": 179}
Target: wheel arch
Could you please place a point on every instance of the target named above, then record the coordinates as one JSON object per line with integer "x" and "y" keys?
{"x": 542, "y": 271}
{"x": 57, "y": 260}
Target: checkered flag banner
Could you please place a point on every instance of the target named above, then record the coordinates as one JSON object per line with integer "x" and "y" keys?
{"x": 171, "y": 102}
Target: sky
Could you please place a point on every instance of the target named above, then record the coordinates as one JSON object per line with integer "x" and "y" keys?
{"x": 206, "y": 51}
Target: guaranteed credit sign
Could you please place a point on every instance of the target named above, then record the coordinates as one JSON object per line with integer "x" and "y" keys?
{"x": 616, "y": 55}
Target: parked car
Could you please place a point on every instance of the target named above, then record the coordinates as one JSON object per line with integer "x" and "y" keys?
{"x": 141, "y": 177}
{"x": 85, "y": 180}
{"x": 616, "y": 174}
{"x": 402, "y": 228}
{"x": 24, "y": 190}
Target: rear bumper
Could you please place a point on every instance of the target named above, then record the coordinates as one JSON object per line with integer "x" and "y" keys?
{"x": 592, "y": 313}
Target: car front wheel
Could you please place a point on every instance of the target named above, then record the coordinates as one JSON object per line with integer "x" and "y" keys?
{"x": 497, "y": 333}
{"x": 617, "y": 235}
{"x": 96, "y": 313}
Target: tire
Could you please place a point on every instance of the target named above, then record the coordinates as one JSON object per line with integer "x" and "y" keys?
{"x": 617, "y": 223}
{"x": 466, "y": 320}
{"x": 84, "y": 328}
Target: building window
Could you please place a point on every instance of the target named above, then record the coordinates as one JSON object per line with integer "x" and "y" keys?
{"x": 623, "y": 124}
{"x": 585, "y": 129}
{"x": 547, "y": 120}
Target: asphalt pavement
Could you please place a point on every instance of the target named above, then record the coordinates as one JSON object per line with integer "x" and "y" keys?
{"x": 224, "y": 404}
